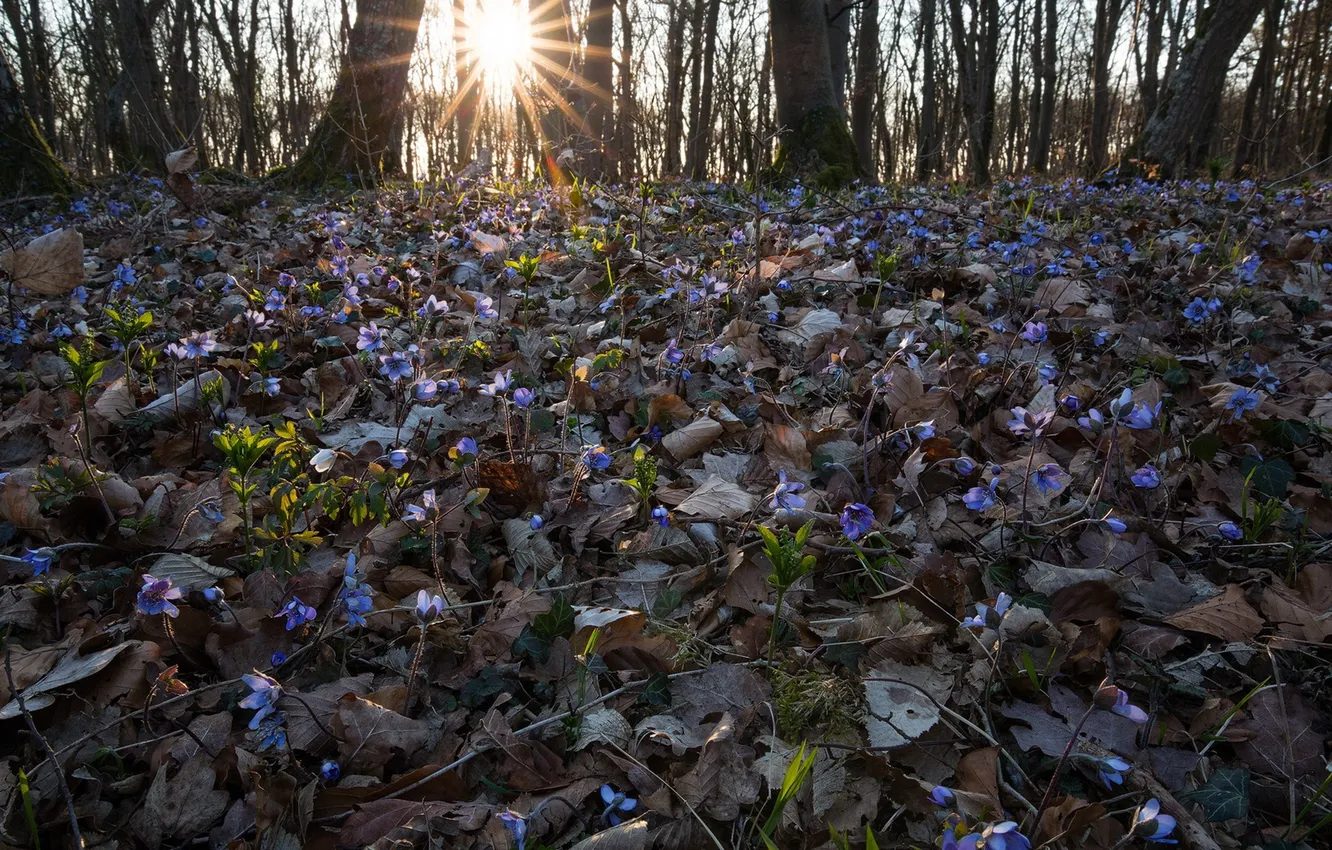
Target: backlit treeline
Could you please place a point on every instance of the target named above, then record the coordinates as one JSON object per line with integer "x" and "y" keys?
{"x": 931, "y": 89}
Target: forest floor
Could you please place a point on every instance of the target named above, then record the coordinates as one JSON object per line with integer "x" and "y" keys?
{"x": 670, "y": 516}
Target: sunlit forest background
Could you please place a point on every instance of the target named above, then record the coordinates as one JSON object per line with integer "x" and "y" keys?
{"x": 683, "y": 87}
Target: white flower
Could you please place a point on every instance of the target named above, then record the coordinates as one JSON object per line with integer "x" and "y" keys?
{"x": 323, "y": 460}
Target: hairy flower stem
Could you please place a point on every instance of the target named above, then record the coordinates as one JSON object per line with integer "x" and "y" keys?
{"x": 1059, "y": 768}
{"x": 416, "y": 666}
{"x": 776, "y": 621}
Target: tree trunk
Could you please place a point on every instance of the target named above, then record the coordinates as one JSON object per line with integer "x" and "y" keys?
{"x": 1174, "y": 129}
{"x": 467, "y": 74}
{"x": 813, "y": 140}
{"x": 598, "y": 72}
{"x": 354, "y": 133}
{"x": 1034, "y": 104}
{"x": 928, "y": 143}
{"x": 27, "y": 165}
{"x": 977, "y": 57}
{"x": 862, "y": 98}
{"x": 839, "y": 44}
{"x": 1108, "y": 13}
{"x": 141, "y": 131}
{"x": 1149, "y": 77}
{"x": 628, "y": 154}
{"x": 674, "y": 86}
{"x": 1257, "y": 97}
{"x": 1040, "y": 160}
{"x": 700, "y": 134}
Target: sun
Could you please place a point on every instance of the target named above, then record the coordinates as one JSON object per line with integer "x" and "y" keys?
{"x": 499, "y": 39}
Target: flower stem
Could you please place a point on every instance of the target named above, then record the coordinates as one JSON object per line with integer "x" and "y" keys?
{"x": 1059, "y": 768}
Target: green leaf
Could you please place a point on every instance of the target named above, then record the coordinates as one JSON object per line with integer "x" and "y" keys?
{"x": 1224, "y": 797}
{"x": 558, "y": 622}
{"x": 1284, "y": 433}
{"x": 657, "y": 691}
{"x": 478, "y": 692}
{"x": 1205, "y": 447}
{"x": 532, "y": 644}
{"x": 1269, "y": 477}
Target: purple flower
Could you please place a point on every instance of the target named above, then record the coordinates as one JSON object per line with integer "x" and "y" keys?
{"x": 155, "y": 596}
{"x": 1113, "y": 699}
{"x": 425, "y": 389}
{"x": 432, "y": 307}
{"x": 615, "y": 802}
{"x": 1070, "y": 403}
{"x": 1026, "y": 422}
{"x": 672, "y": 354}
{"x": 662, "y": 516}
{"x": 1115, "y": 525}
{"x": 784, "y": 497}
{"x": 1049, "y": 478}
{"x": 516, "y": 824}
{"x": 536, "y": 522}
{"x": 1035, "y": 332}
{"x": 1004, "y": 836}
{"x": 1149, "y": 823}
{"x": 38, "y": 559}
{"x": 984, "y": 358}
{"x": 277, "y": 659}
{"x": 964, "y": 466}
{"x": 419, "y": 513}
{"x": 1242, "y": 401}
{"x": 272, "y": 732}
{"x": 923, "y": 430}
{"x": 263, "y": 697}
{"x": 981, "y": 498}
{"x": 1230, "y": 531}
{"x": 297, "y": 613}
{"x": 596, "y": 457}
{"x": 198, "y": 344}
{"x": 1093, "y": 421}
{"x": 1197, "y": 311}
{"x": 987, "y": 617}
{"x": 213, "y": 594}
{"x": 942, "y": 796}
{"x": 1147, "y": 477}
{"x": 466, "y": 451}
{"x": 857, "y": 519}
{"x": 500, "y": 385}
{"x": 428, "y": 607}
{"x": 398, "y": 458}
{"x": 330, "y": 771}
{"x": 484, "y": 308}
{"x": 523, "y": 397}
{"x": 1111, "y": 770}
{"x": 395, "y": 366}
{"x": 369, "y": 338}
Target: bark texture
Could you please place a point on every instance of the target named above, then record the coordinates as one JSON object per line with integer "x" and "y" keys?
{"x": 814, "y": 141}
{"x": 357, "y": 125}
{"x": 862, "y": 97}
{"x": 1173, "y": 132}
{"x": 27, "y": 165}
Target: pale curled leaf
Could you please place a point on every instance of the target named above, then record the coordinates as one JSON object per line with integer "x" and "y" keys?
{"x": 51, "y": 264}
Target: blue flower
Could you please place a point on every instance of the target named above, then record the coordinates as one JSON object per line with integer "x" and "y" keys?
{"x": 263, "y": 697}
{"x": 198, "y": 344}
{"x": 484, "y": 308}
{"x": 536, "y": 522}
{"x": 662, "y": 516}
{"x": 213, "y": 594}
{"x": 428, "y": 607}
{"x": 369, "y": 338}
{"x": 395, "y": 366}
{"x": 1147, "y": 477}
{"x": 297, "y": 613}
{"x": 516, "y": 824}
{"x": 1004, "y": 836}
{"x": 398, "y": 458}
{"x": 1026, "y": 422}
{"x": 38, "y": 559}
{"x": 964, "y": 466}
{"x": 1049, "y": 478}
{"x": 155, "y": 597}
{"x": 923, "y": 430}
{"x": 1149, "y": 823}
{"x": 500, "y": 386}
{"x": 942, "y": 796}
{"x": 857, "y": 519}
{"x": 981, "y": 498}
{"x": 672, "y": 354}
{"x": 277, "y": 659}
{"x": 1230, "y": 531}
{"x": 983, "y": 358}
{"x": 615, "y": 802}
{"x": 1111, "y": 770}
{"x": 419, "y": 513}
{"x": 432, "y": 307}
{"x": 596, "y": 457}
{"x": 1093, "y": 421}
{"x": 330, "y": 771}
{"x": 987, "y": 617}
{"x": 784, "y": 497}
{"x": 1242, "y": 401}
{"x": 523, "y": 397}
{"x": 272, "y": 732}
{"x": 1116, "y": 525}
{"x": 425, "y": 389}
{"x": 464, "y": 451}
{"x": 1112, "y": 699}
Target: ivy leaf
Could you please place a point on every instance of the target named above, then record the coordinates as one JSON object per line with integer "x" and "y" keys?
{"x": 1269, "y": 477}
{"x": 558, "y": 622}
{"x": 1224, "y": 797}
{"x": 657, "y": 691}
{"x": 532, "y": 644}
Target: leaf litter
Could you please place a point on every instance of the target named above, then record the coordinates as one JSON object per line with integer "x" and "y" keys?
{"x": 411, "y": 516}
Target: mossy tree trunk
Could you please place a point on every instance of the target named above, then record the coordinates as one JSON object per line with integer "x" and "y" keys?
{"x": 814, "y": 141}
{"x": 357, "y": 127}
{"x": 27, "y": 165}
{"x": 1173, "y": 130}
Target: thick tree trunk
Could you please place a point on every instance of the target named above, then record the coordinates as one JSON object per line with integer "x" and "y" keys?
{"x": 1040, "y": 158}
{"x": 927, "y": 144}
{"x": 27, "y": 165}
{"x": 700, "y": 134}
{"x": 467, "y": 76}
{"x": 862, "y": 97}
{"x": 628, "y": 153}
{"x": 1257, "y": 97}
{"x": 1106, "y": 24}
{"x": 141, "y": 130}
{"x": 814, "y": 139}
{"x": 675, "y": 73}
{"x": 354, "y": 133}
{"x": 598, "y": 72}
{"x": 839, "y": 44}
{"x": 1149, "y": 77}
{"x": 1178, "y": 123}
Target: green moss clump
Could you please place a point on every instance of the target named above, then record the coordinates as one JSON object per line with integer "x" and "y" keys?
{"x": 820, "y": 150}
